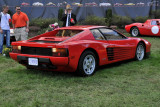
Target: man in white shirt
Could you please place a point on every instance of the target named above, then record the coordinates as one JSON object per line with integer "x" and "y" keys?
{"x": 4, "y": 27}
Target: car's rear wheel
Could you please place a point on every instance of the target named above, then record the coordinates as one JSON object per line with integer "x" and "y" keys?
{"x": 140, "y": 51}
{"x": 134, "y": 31}
{"x": 87, "y": 64}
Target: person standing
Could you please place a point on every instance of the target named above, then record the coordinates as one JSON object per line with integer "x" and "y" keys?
{"x": 68, "y": 18}
{"x": 20, "y": 23}
{"x": 5, "y": 18}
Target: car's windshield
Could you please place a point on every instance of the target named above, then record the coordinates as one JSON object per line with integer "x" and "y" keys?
{"x": 67, "y": 33}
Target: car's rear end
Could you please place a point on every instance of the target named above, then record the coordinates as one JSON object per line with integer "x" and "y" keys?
{"x": 40, "y": 56}
{"x": 47, "y": 51}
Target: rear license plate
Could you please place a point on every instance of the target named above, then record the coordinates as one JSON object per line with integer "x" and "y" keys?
{"x": 33, "y": 61}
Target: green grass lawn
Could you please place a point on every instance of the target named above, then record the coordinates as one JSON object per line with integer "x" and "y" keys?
{"x": 130, "y": 83}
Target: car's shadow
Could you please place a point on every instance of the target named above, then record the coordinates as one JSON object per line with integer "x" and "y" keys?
{"x": 146, "y": 36}
{"x": 50, "y": 73}
{"x": 115, "y": 64}
{"x": 73, "y": 74}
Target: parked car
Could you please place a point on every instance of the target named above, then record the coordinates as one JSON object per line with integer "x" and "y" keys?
{"x": 104, "y": 4}
{"x": 25, "y": 4}
{"x": 37, "y": 4}
{"x": 62, "y": 4}
{"x": 118, "y": 4}
{"x": 130, "y": 4}
{"x": 150, "y": 27}
{"x": 12, "y": 36}
{"x": 140, "y": 4}
{"x": 78, "y": 49}
{"x": 91, "y": 4}
{"x": 11, "y": 32}
{"x": 77, "y": 4}
{"x": 50, "y": 4}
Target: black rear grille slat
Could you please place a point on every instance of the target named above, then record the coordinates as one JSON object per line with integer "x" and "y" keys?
{"x": 36, "y": 51}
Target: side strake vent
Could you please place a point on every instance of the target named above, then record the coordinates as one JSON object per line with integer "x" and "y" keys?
{"x": 110, "y": 53}
{"x": 119, "y": 53}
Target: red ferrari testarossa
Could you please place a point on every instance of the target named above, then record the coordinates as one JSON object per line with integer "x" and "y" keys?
{"x": 78, "y": 48}
{"x": 149, "y": 28}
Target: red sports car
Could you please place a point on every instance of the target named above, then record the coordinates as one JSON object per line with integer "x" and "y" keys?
{"x": 78, "y": 48}
{"x": 150, "y": 27}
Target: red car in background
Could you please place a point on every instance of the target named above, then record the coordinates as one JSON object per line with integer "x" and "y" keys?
{"x": 118, "y": 4}
{"x": 91, "y": 4}
{"x": 150, "y": 27}
{"x": 12, "y": 35}
{"x": 25, "y": 4}
{"x": 78, "y": 48}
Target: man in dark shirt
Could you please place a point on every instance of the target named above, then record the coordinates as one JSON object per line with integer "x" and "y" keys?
{"x": 69, "y": 19}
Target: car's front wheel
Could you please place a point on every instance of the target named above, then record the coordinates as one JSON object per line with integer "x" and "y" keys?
{"x": 140, "y": 51}
{"x": 87, "y": 64}
{"x": 134, "y": 31}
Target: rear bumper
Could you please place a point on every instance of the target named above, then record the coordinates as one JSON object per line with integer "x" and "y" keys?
{"x": 44, "y": 62}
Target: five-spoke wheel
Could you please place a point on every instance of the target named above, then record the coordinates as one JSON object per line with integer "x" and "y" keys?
{"x": 134, "y": 31}
{"x": 87, "y": 64}
{"x": 140, "y": 51}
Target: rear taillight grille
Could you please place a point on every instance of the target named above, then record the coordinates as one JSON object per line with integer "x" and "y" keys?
{"x": 36, "y": 51}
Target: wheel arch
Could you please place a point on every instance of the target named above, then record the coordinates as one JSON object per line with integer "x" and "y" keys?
{"x": 97, "y": 57}
{"x": 143, "y": 44}
{"x": 132, "y": 28}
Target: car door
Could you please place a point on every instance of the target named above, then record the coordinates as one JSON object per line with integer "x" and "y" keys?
{"x": 120, "y": 47}
{"x": 145, "y": 28}
{"x": 150, "y": 28}
{"x": 104, "y": 44}
{"x": 154, "y": 28}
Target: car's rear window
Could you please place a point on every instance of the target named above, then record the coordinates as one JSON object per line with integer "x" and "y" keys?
{"x": 67, "y": 33}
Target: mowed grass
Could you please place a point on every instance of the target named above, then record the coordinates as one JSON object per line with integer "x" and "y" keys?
{"x": 129, "y": 83}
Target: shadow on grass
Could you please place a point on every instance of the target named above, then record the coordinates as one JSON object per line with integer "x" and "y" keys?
{"x": 116, "y": 64}
{"x": 50, "y": 73}
{"x": 139, "y": 36}
{"x": 66, "y": 74}
{"x": 123, "y": 63}
{"x": 23, "y": 69}
{"x": 149, "y": 36}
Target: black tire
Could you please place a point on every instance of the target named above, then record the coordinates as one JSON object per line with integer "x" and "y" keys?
{"x": 140, "y": 55}
{"x": 134, "y": 32}
{"x": 81, "y": 71}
